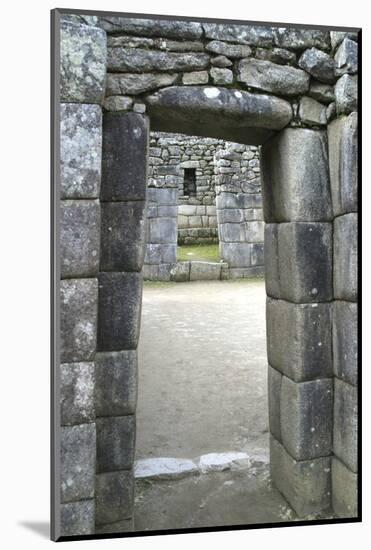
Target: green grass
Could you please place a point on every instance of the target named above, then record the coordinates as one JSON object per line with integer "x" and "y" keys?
{"x": 200, "y": 252}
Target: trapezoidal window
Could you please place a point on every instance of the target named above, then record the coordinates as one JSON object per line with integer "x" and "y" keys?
{"x": 189, "y": 186}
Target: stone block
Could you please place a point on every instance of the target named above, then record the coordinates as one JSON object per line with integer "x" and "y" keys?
{"x": 346, "y": 424}
{"x": 318, "y": 64}
{"x": 180, "y": 271}
{"x": 83, "y": 57}
{"x": 274, "y": 402}
{"x": 257, "y": 254}
{"x": 116, "y": 383}
{"x": 124, "y": 157}
{"x": 236, "y": 254}
{"x": 272, "y": 78}
{"x": 122, "y": 235}
{"x": 77, "y": 393}
{"x": 77, "y": 462}
{"x": 272, "y": 282}
{"x": 344, "y": 490}
{"x": 306, "y": 417}
{"x": 321, "y": 92}
{"x": 346, "y": 57}
{"x": 119, "y": 303}
{"x": 122, "y": 526}
{"x": 187, "y": 209}
{"x": 299, "y": 339}
{"x": 163, "y": 197}
{"x": 346, "y": 94}
{"x": 162, "y": 230}
{"x": 118, "y": 103}
{"x": 337, "y": 37}
{"x": 119, "y": 84}
{"x": 253, "y": 231}
{"x": 231, "y": 215}
{"x": 78, "y": 317}
{"x": 300, "y": 39}
{"x": 221, "y": 61}
{"x": 276, "y": 55}
{"x": 167, "y": 211}
{"x": 115, "y": 443}
{"x": 312, "y": 112}
{"x": 80, "y": 150}
{"x": 196, "y": 77}
{"x": 78, "y": 518}
{"x": 138, "y": 60}
{"x": 114, "y": 496}
{"x": 160, "y": 253}
{"x": 305, "y": 262}
{"x": 204, "y": 271}
{"x": 294, "y": 173}
{"x": 221, "y": 77}
{"x": 345, "y": 257}
{"x": 180, "y": 30}
{"x": 305, "y": 484}
{"x": 79, "y": 238}
{"x": 234, "y": 51}
{"x": 240, "y": 34}
{"x": 345, "y": 341}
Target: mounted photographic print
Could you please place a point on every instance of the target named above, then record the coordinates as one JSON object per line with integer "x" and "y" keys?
{"x": 205, "y": 324}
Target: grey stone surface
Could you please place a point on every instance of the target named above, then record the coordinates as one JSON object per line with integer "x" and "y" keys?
{"x": 304, "y": 353}
{"x": 236, "y": 254}
{"x": 300, "y": 39}
{"x": 137, "y": 60}
{"x": 115, "y": 443}
{"x": 294, "y": 173}
{"x": 122, "y": 526}
{"x": 163, "y": 197}
{"x": 124, "y": 154}
{"x": 123, "y": 236}
{"x": 346, "y": 57}
{"x": 229, "y": 50}
{"x": 318, "y": 64}
{"x": 272, "y": 281}
{"x": 241, "y": 34}
{"x": 117, "y": 103}
{"x": 221, "y": 61}
{"x": 305, "y": 484}
{"x": 77, "y": 462}
{"x": 195, "y": 77}
{"x": 83, "y": 54}
{"x": 337, "y": 37}
{"x": 312, "y": 112}
{"x": 116, "y": 383}
{"x": 345, "y": 257}
{"x": 274, "y": 402}
{"x": 276, "y": 55}
{"x": 346, "y": 96}
{"x": 151, "y": 27}
{"x": 115, "y": 496}
{"x": 77, "y": 518}
{"x": 346, "y": 424}
{"x": 80, "y": 150}
{"x": 345, "y": 341}
{"x": 180, "y": 272}
{"x": 221, "y": 77}
{"x": 77, "y": 393}
{"x": 273, "y": 78}
{"x": 321, "y": 92}
{"x": 344, "y": 490}
{"x": 204, "y": 271}
{"x": 134, "y": 83}
{"x": 257, "y": 253}
{"x": 162, "y": 230}
{"x": 160, "y": 253}
{"x": 119, "y": 302}
{"x": 307, "y": 417}
{"x": 79, "y": 238}
{"x": 78, "y": 308}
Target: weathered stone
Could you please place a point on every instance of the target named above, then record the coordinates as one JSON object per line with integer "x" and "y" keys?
{"x": 221, "y": 61}
{"x": 77, "y": 518}
{"x": 294, "y": 173}
{"x": 257, "y": 254}
{"x": 233, "y": 51}
{"x": 77, "y": 393}
{"x": 163, "y": 197}
{"x": 122, "y": 526}
{"x": 305, "y": 484}
{"x": 91, "y": 20}
{"x": 180, "y": 271}
{"x": 345, "y": 424}
{"x": 162, "y": 230}
{"x": 136, "y": 60}
{"x": 331, "y": 111}
{"x": 305, "y": 351}
{"x": 179, "y": 45}
{"x": 319, "y": 64}
{"x": 79, "y": 238}
{"x": 160, "y": 253}
{"x": 204, "y": 271}
{"x": 312, "y": 112}
{"x": 117, "y": 103}
{"x": 78, "y": 319}
{"x": 196, "y": 77}
{"x": 80, "y": 150}
{"x": 124, "y": 162}
{"x": 272, "y": 282}
{"x": 274, "y": 402}
{"x": 221, "y": 76}
{"x": 337, "y": 37}
{"x": 236, "y": 201}
{"x": 134, "y": 83}
{"x": 151, "y": 27}
{"x": 299, "y": 39}
{"x": 306, "y": 417}
{"x": 236, "y": 254}
{"x": 321, "y": 92}
{"x": 346, "y": 58}
{"x": 346, "y": 94}
{"x": 116, "y": 383}
{"x": 120, "y": 296}
{"x": 345, "y": 340}
{"x": 83, "y": 52}
{"x": 115, "y": 443}
{"x": 229, "y": 114}
{"x": 276, "y": 55}
{"x": 77, "y": 462}
{"x": 115, "y": 496}
{"x": 123, "y": 236}
{"x": 345, "y": 257}
{"x": 273, "y": 78}
{"x": 344, "y": 490}
{"x": 242, "y": 34}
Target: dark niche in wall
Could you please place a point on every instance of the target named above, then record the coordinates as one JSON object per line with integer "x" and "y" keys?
{"x": 189, "y": 186}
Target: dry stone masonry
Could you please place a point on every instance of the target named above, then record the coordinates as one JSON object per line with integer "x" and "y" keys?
{"x": 292, "y": 91}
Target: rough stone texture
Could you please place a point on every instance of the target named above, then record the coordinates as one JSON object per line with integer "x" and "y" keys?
{"x": 77, "y": 393}
{"x": 132, "y": 84}
{"x": 221, "y": 77}
{"x": 115, "y": 496}
{"x": 78, "y": 319}
{"x": 77, "y": 462}
{"x": 272, "y": 281}
{"x": 116, "y": 383}
{"x": 276, "y": 55}
{"x": 237, "y": 254}
{"x": 136, "y": 60}
{"x": 273, "y": 78}
{"x": 125, "y": 148}
{"x": 120, "y": 296}
{"x": 162, "y": 230}
{"x": 305, "y": 351}
{"x": 294, "y": 172}
{"x": 79, "y": 238}
{"x": 242, "y": 34}
{"x": 180, "y": 272}
{"x": 123, "y": 236}
{"x": 204, "y": 271}
{"x": 300, "y": 39}
{"x": 160, "y": 253}
{"x": 306, "y": 417}
{"x": 345, "y": 424}
{"x": 312, "y": 112}
{"x": 221, "y": 61}
{"x": 80, "y": 150}
{"x": 229, "y": 50}
{"x": 83, "y": 52}
{"x": 115, "y": 443}
{"x": 274, "y": 402}
{"x": 344, "y": 490}
{"x": 122, "y": 526}
{"x": 321, "y": 92}
{"x": 318, "y": 64}
{"x": 337, "y": 37}
{"x": 77, "y": 518}
{"x": 346, "y": 57}
{"x": 152, "y": 27}
{"x": 346, "y": 96}
{"x": 117, "y": 103}
{"x": 195, "y": 77}
{"x": 345, "y": 341}
{"x": 345, "y": 257}
{"x": 305, "y": 484}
